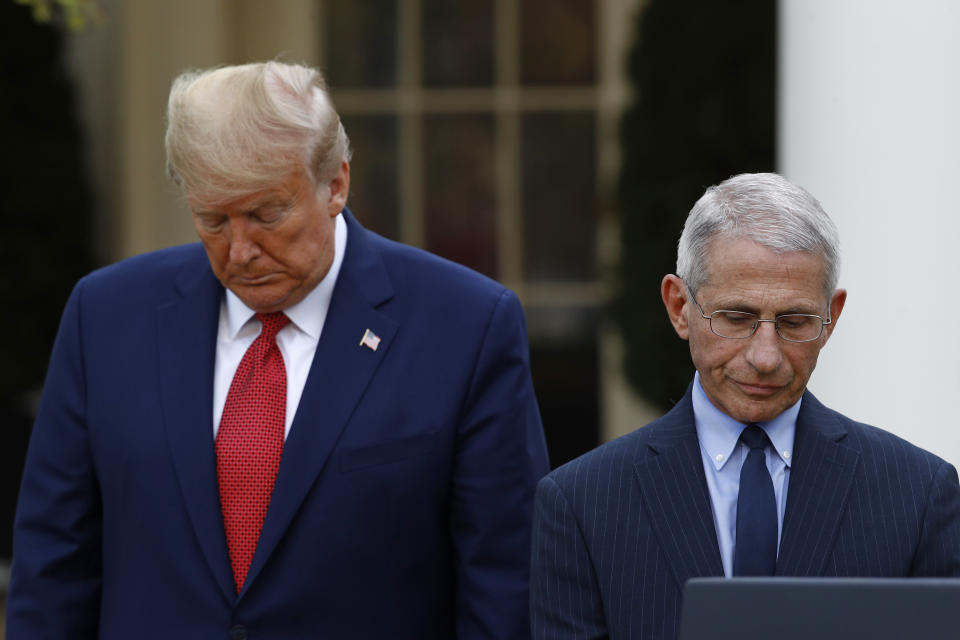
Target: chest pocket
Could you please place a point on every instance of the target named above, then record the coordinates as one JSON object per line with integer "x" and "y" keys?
{"x": 355, "y": 458}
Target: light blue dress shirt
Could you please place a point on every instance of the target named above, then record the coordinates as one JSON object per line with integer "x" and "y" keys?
{"x": 723, "y": 456}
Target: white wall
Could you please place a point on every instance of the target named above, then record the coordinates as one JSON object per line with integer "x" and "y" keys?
{"x": 869, "y": 122}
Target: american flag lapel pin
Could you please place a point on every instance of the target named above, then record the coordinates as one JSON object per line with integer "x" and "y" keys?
{"x": 370, "y": 340}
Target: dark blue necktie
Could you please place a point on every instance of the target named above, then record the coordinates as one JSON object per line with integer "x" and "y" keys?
{"x": 756, "y": 549}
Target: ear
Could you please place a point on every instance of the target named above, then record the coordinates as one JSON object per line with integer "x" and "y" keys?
{"x": 340, "y": 189}
{"x": 836, "y": 307}
{"x": 674, "y": 294}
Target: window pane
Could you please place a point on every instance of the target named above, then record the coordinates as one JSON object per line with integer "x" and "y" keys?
{"x": 361, "y": 43}
{"x": 373, "y": 172}
{"x": 559, "y": 186}
{"x": 458, "y": 42}
{"x": 459, "y": 189}
{"x": 558, "y": 42}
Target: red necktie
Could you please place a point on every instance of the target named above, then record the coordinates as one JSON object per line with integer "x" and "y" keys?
{"x": 250, "y": 442}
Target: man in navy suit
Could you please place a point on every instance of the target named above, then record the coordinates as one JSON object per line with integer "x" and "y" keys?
{"x": 748, "y": 474}
{"x": 365, "y": 468}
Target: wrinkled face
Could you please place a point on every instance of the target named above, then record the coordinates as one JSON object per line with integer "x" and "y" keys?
{"x": 273, "y": 246}
{"x": 757, "y": 378}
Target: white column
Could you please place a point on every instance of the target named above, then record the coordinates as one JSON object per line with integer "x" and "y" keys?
{"x": 158, "y": 40}
{"x": 869, "y": 122}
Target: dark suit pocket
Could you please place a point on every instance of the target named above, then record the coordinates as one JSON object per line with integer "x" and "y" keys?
{"x": 353, "y": 458}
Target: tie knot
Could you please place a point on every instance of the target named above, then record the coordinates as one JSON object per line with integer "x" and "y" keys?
{"x": 754, "y": 437}
{"x": 272, "y": 323}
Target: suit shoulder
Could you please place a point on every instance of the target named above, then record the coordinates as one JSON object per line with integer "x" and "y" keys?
{"x": 881, "y": 449}
{"x": 156, "y": 264}
{"x": 633, "y": 448}
{"x": 611, "y": 458}
{"x": 145, "y": 275}
{"x": 411, "y": 267}
{"x": 873, "y": 441}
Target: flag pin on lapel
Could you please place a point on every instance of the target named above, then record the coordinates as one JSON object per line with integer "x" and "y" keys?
{"x": 370, "y": 340}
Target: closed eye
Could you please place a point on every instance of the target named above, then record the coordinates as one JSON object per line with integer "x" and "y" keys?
{"x": 211, "y": 223}
{"x": 736, "y": 317}
{"x": 795, "y": 321}
{"x": 269, "y": 215}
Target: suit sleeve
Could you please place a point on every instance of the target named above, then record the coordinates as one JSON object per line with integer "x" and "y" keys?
{"x": 56, "y": 572}
{"x": 938, "y": 554}
{"x": 500, "y": 456}
{"x": 564, "y": 598}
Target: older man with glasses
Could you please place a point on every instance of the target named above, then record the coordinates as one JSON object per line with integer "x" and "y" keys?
{"x": 748, "y": 475}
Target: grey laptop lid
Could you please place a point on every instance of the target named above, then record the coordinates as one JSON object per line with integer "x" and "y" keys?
{"x": 821, "y": 609}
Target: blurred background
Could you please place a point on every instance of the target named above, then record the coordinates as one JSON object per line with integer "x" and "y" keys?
{"x": 555, "y": 145}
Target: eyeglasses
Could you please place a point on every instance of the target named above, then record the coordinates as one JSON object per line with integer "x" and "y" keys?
{"x": 739, "y": 325}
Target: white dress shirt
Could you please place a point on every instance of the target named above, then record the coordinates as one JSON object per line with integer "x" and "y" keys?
{"x": 297, "y": 341}
{"x": 723, "y": 456}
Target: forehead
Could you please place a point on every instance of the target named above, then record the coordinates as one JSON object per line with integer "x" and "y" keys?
{"x": 742, "y": 273}
{"x": 243, "y": 198}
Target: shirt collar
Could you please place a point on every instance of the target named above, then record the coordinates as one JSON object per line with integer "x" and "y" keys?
{"x": 718, "y": 433}
{"x": 309, "y": 314}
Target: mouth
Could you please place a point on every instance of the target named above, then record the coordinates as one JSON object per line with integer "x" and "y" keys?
{"x": 252, "y": 281}
{"x": 759, "y": 389}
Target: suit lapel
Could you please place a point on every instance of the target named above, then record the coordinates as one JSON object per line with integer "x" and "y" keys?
{"x": 820, "y": 480}
{"x": 187, "y": 332}
{"x": 674, "y": 492}
{"x": 340, "y": 372}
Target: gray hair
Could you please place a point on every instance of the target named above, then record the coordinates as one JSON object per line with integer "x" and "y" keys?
{"x": 766, "y": 208}
{"x": 234, "y": 130}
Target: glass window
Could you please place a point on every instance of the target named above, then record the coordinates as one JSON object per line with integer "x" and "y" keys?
{"x": 459, "y": 189}
{"x": 450, "y": 154}
{"x": 361, "y": 43}
{"x": 558, "y": 42}
{"x": 457, "y": 42}
{"x": 373, "y": 172}
{"x": 559, "y": 202}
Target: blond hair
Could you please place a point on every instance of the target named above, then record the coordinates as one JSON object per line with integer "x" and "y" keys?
{"x": 238, "y": 129}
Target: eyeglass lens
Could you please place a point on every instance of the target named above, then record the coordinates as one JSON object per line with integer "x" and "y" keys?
{"x": 794, "y": 327}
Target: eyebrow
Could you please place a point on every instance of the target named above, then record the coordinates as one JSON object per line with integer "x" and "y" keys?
{"x": 271, "y": 199}
{"x": 746, "y": 308}
{"x": 207, "y": 213}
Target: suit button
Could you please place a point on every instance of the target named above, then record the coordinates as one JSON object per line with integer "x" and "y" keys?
{"x": 239, "y": 632}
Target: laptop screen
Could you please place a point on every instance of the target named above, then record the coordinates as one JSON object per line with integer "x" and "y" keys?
{"x": 821, "y": 609}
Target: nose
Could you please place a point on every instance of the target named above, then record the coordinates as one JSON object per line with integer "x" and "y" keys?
{"x": 243, "y": 248}
{"x": 764, "y": 349}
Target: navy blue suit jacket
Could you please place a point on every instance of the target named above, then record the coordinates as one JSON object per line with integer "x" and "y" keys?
{"x": 618, "y": 532}
{"x": 403, "y": 502}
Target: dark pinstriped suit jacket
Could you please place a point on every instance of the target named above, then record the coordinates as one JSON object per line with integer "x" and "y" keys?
{"x": 618, "y": 531}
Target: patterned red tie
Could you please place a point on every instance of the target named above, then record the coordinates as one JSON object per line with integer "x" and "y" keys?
{"x": 250, "y": 442}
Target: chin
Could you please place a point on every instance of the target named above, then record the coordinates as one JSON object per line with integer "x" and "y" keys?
{"x": 262, "y": 299}
{"x": 763, "y": 413}
{"x": 264, "y": 304}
